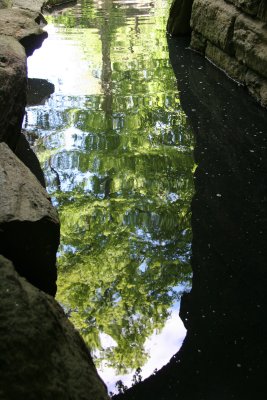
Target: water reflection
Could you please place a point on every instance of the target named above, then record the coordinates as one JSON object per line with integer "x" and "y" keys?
{"x": 223, "y": 355}
{"x": 117, "y": 153}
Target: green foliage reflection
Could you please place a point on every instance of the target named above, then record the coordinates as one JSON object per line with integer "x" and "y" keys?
{"x": 123, "y": 186}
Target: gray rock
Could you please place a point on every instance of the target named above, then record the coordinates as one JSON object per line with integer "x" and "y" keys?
{"x": 41, "y": 354}
{"x": 257, "y": 86}
{"x": 198, "y": 42}
{"x": 25, "y": 26}
{"x": 214, "y": 20}
{"x": 33, "y": 5}
{"x": 234, "y": 40}
{"x": 13, "y": 83}
{"x": 250, "y": 43}
{"x": 248, "y": 6}
{"x": 25, "y": 153}
{"x": 39, "y": 5}
{"x": 29, "y": 226}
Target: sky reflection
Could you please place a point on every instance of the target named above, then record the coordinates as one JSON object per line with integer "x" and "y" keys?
{"x": 173, "y": 334}
{"x": 62, "y": 61}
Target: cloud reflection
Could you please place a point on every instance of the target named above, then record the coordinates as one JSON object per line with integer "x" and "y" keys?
{"x": 69, "y": 68}
{"x": 161, "y": 347}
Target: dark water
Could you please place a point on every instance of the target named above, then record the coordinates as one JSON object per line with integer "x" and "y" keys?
{"x": 117, "y": 152}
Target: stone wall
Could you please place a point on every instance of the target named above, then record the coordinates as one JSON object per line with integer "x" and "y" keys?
{"x": 230, "y": 33}
{"x": 233, "y": 35}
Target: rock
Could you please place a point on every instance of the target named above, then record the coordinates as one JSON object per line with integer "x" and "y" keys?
{"x": 179, "y": 18}
{"x": 29, "y": 226}
{"x": 25, "y": 153}
{"x": 12, "y": 89}
{"x": 225, "y": 62}
{"x": 234, "y": 40}
{"x": 5, "y": 4}
{"x": 198, "y": 42}
{"x": 214, "y": 20}
{"x": 33, "y": 5}
{"x": 39, "y": 90}
{"x": 250, "y": 44}
{"x": 247, "y": 6}
{"x": 257, "y": 86}
{"x": 24, "y": 26}
{"x": 42, "y": 356}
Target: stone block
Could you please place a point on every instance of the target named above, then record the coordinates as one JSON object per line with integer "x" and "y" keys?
{"x": 29, "y": 225}
{"x": 250, "y": 43}
{"x": 257, "y": 86}
{"x": 13, "y": 83}
{"x": 247, "y": 6}
{"x": 198, "y": 42}
{"x": 214, "y": 20}
{"x": 33, "y": 5}
{"x": 229, "y": 64}
{"x": 42, "y": 356}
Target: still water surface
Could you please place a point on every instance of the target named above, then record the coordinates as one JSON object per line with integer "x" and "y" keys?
{"x": 116, "y": 149}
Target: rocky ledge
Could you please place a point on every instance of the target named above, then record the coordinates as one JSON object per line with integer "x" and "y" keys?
{"x": 41, "y": 354}
{"x": 230, "y": 33}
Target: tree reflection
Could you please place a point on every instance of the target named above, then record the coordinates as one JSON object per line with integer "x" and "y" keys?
{"x": 119, "y": 167}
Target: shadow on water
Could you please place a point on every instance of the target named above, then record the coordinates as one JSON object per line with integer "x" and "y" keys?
{"x": 223, "y": 355}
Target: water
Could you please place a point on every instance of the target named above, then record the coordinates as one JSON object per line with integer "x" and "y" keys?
{"x": 116, "y": 148}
